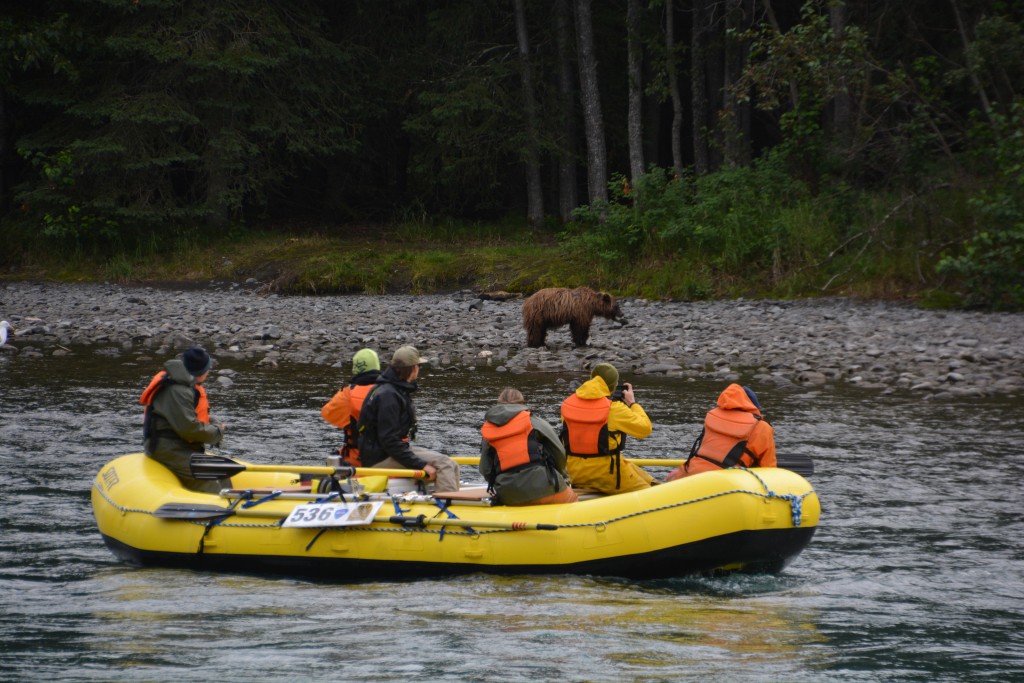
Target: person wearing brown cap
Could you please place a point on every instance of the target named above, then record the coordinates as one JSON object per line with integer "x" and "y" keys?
{"x": 387, "y": 424}
{"x": 177, "y": 419}
{"x": 594, "y": 429}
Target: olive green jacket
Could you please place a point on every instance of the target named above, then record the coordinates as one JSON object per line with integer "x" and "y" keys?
{"x": 177, "y": 433}
{"x": 528, "y": 483}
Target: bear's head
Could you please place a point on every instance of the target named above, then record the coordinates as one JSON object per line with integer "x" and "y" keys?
{"x": 610, "y": 308}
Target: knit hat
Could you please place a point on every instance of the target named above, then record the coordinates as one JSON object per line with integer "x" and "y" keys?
{"x": 406, "y": 357}
{"x": 752, "y": 396}
{"x": 608, "y": 373}
{"x": 365, "y": 359}
{"x": 197, "y": 361}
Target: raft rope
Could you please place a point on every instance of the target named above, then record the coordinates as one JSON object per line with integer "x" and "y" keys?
{"x": 795, "y": 504}
{"x": 451, "y": 515}
{"x": 214, "y": 522}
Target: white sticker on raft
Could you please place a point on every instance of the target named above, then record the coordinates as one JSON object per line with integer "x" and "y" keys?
{"x": 318, "y": 515}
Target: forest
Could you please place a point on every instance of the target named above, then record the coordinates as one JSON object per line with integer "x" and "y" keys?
{"x": 663, "y": 148}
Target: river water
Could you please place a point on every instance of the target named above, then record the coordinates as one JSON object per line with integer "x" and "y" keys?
{"x": 916, "y": 572}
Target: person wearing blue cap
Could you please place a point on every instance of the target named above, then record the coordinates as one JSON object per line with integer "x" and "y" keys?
{"x": 734, "y": 434}
{"x": 177, "y": 419}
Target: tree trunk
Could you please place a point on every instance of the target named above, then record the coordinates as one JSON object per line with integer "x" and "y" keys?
{"x": 534, "y": 193}
{"x": 842, "y": 105}
{"x": 794, "y": 96}
{"x": 568, "y": 195}
{"x": 673, "y": 84}
{"x": 735, "y": 126}
{"x": 597, "y": 155}
{"x": 4, "y": 203}
{"x": 635, "y": 74}
{"x": 698, "y": 87}
{"x": 972, "y": 68}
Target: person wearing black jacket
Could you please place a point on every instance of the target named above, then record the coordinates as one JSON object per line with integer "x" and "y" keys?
{"x": 387, "y": 425}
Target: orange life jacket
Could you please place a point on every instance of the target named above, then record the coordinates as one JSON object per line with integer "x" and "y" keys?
{"x": 723, "y": 441}
{"x": 159, "y": 381}
{"x": 585, "y": 427}
{"x": 357, "y": 394}
{"x": 512, "y": 443}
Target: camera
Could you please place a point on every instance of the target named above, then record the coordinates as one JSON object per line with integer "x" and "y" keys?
{"x": 617, "y": 394}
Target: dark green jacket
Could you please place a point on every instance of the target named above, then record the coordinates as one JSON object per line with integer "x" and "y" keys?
{"x": 176, "y": 431}
{"x": 528, "y": 483}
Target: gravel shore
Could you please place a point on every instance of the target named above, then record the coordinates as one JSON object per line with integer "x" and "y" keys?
{"x": 884, "y": 345}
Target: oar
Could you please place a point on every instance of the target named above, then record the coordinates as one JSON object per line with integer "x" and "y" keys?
{"x": 801, "y": 464}
{"x": 198, "y": 512}
{"x": 219, "y": 467}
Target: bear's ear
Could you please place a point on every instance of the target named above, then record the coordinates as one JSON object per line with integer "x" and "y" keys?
{"x": 606, "y": 297}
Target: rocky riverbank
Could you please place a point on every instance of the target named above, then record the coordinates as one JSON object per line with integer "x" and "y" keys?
{"x": 883, "y": 345}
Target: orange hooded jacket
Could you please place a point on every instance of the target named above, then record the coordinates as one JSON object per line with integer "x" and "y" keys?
{"x": 343, "y": 411}
{"x": 736, "y": 419}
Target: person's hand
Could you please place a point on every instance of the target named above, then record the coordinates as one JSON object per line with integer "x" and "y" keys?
{"x": 223, "y": 427}
{"x": 627, "y": 394}
{"x": 677, "y": 473}
{"x": 431, "y": 472}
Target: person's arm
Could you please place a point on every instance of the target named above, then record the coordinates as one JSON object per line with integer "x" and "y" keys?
{"x": 336, "y": 411}
{"x": 181, "y": 415}
{"x": 552, "y": 443}
{"x": 487, "y": 465}
{"x": 390, "y": 433}
{"x": 631, "y": 420}
{"x": 761, "y": 442}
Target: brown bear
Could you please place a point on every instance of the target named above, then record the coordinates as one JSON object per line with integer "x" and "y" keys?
{"x": 556, "y": 306}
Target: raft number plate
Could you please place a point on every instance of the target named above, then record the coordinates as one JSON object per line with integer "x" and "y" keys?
{"x": 317, "y": 515}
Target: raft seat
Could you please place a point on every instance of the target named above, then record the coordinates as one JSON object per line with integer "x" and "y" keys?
{"x": 475, "y": 494}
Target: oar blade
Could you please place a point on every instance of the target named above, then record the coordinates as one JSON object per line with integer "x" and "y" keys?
{"x": 204, "y": 466}
{"x": 190, "y": 511}
{"x": 795, "y": 462}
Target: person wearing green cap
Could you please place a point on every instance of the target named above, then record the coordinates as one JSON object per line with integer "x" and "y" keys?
{"x": 594, "y": 429}
{"x": 387, "y": 424}
{"x": 343, "y": 409}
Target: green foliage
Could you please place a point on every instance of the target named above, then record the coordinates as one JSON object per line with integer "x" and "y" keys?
{"x": 734, "y": 220}
{"x": 992, "y": 263}
{"x": 183, "y": 113}
{"x": 624, "y": 228}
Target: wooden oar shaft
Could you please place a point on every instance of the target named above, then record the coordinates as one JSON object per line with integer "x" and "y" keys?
{"x": 643, "y": 462}
{"x": 801, "y": 464}
{"x": 343, "y": 471}
{"x": 207, "y": 466}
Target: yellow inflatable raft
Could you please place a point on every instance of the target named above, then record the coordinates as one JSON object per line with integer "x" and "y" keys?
{"x": 731, "y": 520}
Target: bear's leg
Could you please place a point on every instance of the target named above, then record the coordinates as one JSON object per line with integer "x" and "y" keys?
{"x": 579, "y": 333}
{"x": 535, "y": 337}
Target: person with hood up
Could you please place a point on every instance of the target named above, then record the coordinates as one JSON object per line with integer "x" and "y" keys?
{"x": 387, "y": 424}
{"x": 521, "y": 457}
{"x": 177, "y": 419}
{"x": 594, "y": 429}
{"x": 343, "y": 409}
{"x": 734, "y": 433}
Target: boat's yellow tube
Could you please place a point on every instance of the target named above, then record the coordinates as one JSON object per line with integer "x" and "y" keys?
{"x": 732, "y": 519}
